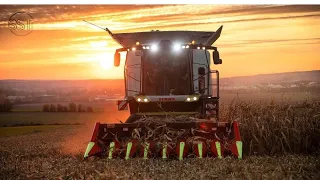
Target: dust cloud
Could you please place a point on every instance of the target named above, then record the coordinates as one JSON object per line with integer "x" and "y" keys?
{"x": 77, "y": 137}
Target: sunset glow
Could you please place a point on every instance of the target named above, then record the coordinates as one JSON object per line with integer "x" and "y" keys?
{"x": 105, "y": 61}
{"x": 255, "y": 39}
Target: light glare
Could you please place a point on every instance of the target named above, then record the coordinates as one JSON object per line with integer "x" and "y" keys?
{"x": 176, "y": 47}
{"x": 154, "y": 47}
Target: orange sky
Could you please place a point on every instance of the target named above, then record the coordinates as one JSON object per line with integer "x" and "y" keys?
{"x": 255, "y": 39}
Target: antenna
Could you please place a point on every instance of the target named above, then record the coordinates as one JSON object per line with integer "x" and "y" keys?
{"x": 106, "y": 29}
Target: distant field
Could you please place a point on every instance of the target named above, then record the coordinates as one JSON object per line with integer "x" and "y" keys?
{"x": 108, "y": 112}
{"x": 21, "y": 130}
{"x": 36, "y": 107}
{"x": 31, "y": 113}
{"x": 9, "y": 119}
{"x": 225, "y": 98}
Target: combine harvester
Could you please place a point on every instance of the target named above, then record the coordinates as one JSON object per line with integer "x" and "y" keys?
{"x": 168, "y": 73}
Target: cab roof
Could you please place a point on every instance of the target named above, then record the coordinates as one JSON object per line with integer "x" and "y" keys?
{"x": 182, "y": 37}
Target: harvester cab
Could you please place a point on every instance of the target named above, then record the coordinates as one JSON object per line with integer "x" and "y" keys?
{"x": 168, "y": 73}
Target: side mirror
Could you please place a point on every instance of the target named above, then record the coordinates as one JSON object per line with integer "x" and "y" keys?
{"x": 116, "y": 61}
{"x": 216, "y": 57}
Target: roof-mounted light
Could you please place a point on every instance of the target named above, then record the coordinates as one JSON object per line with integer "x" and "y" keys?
{"x": 176, "y": 47}
{"x": 193, "y": 42}
{"x": 137, "y": 43}
{"x": 154, "y": 47}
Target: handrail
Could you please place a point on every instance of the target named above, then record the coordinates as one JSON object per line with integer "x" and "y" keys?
{"x": 209, "y": 84}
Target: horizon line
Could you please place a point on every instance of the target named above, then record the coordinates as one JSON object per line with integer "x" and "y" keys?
{"x": 123, "y": 78}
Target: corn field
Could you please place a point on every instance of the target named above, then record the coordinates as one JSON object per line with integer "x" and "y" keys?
{"x": 281, "y": 141}
{"x": 271, "y": 129}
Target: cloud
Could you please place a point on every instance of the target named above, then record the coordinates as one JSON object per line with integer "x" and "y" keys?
{"x": 60, "y": 38}
{"x": 270, "y": 18}
{"x": 66, "y": 12}
{"x": 247, "y": 46}
{"x": 218, "y": 10}
{"x": 131, "y": 17}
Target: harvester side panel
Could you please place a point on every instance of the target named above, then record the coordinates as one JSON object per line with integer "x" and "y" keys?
{"x": 133, "y": 73}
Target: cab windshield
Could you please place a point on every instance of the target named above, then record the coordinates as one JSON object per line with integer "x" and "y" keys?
{"x": 166, "y": 73}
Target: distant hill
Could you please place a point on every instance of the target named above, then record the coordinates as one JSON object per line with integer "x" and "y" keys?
{"x": 276, "y": 78}
{"x": 92, "y": 83}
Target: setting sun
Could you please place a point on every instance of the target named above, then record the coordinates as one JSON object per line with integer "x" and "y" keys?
{"x": 105, "y": 60}
{"x": 98, "y": 44}
{"x": 106, "y": 64}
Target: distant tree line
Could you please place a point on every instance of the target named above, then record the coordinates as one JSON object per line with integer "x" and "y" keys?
{"x": 60, "y": 108}
{"x": 6, "y": 106}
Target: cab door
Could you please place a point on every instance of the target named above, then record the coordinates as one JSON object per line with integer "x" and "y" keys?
{"x": 200, "y": 63}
